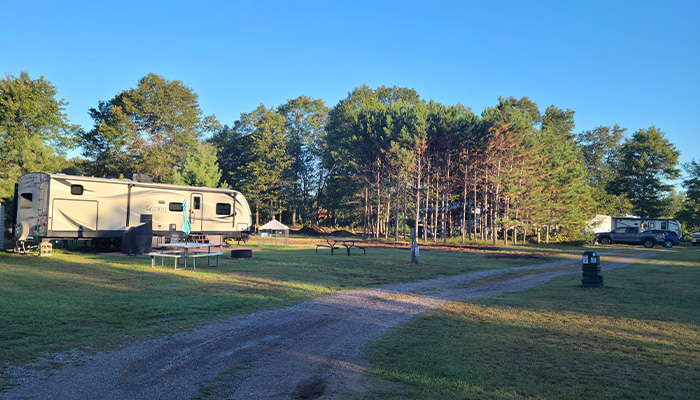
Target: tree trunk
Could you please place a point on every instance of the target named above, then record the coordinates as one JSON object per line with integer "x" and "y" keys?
{"x": 518, "y": 210}
{"x": 444, "y": 215}
{"x": 426, "y": 217}
{"x": 464, "y": 205}
{"x": 485, "y": 208}
{"x": 474, "y": 221}
{"x": 379, "y": 205}
{"x": 491, "y": 206}
{"x": 364, "y": 226}
{"x": 496, "y": 204}
{"x": 396, "y": 222}
{"x": 445, "y": 203}
{"x": 505, "y": 227}
{"x": 404, "y": 215}
{"x": 388, "y": 212}
{"x": 435, "y": 208}
{"x": 417, "y": 189}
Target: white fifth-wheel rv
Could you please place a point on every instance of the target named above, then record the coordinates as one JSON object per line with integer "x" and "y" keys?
{"x": 59, "y": 206}
{"x": 606, "y": 223}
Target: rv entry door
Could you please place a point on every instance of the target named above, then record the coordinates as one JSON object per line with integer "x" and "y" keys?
{"x": 196, "y": 206}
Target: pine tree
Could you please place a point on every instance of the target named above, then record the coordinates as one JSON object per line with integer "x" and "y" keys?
{"x": 200, "y": 168}
{"x": 647, "y": 160}
{"x": 569, "y": 202}
{"x": 689, "y": 215}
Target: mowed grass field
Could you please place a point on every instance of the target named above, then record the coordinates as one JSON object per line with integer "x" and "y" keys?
{"x": 637, "y": 338}
{"x": 90, "y": 301}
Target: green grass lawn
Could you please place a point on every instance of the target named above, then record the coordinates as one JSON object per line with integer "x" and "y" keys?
{"x": 96, "y": 302}
{"x": 637, "y": 338}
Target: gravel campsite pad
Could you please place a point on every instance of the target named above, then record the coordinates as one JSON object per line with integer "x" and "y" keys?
{"x": 310, "y": 350}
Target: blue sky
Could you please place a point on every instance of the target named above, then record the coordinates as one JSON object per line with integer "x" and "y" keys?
{"x": 634, "y": 63}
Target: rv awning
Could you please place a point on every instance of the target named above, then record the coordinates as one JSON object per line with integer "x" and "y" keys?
{"x": 274, "y": 225}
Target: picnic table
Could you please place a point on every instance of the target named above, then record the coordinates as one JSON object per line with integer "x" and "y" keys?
{"x": 186, "y": 250}
{"x": 335, "y": 243}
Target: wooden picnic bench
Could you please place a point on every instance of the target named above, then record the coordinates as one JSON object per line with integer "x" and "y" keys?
{"x": 333, "y": 242}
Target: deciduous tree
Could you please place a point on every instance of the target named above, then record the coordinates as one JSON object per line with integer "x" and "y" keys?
{"x": 262, "y": 171}
{"x": 601, "y": 152}
{"x": 305, "y": 120}
{"x": 34, "y": 129}
{"x": 150, "y": 129}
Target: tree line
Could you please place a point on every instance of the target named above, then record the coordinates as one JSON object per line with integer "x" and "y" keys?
{"x": 382, "y": 160}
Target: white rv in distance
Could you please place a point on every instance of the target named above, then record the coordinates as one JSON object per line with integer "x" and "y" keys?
{"x": 606, "y": 223}
{"x": 59, "y": 206}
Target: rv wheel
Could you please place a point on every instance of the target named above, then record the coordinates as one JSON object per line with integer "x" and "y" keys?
{"x": 21, "y": 231}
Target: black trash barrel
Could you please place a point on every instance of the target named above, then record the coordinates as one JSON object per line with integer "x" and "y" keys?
{"x": 591, "y": 270}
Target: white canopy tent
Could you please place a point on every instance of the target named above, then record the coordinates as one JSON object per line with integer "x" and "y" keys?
{"x": 273, "y": 233}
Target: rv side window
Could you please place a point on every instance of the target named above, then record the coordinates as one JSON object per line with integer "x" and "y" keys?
{"x": 25, "y": 200}
{"x": 76, "y": 190}
{"x": 664, "y": 226}
{"x": 175, "y": 207}
{"x": 651, "y": 225}
{"x": 223, "y": 209}
{"x": 197, "y": 203}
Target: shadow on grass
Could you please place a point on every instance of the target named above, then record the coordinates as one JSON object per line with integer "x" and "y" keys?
{"x": 636, "y": 338}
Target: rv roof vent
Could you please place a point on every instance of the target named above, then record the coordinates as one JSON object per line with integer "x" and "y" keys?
{"x": 138, "y": 177}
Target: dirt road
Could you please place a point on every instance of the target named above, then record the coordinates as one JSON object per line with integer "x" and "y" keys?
{"x": 310, "y": 350}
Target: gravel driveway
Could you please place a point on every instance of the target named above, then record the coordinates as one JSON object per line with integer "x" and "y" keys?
{"x": 310, "y": 350}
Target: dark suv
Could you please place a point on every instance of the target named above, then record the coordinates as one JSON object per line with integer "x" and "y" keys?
{"x": 671, "y": 238}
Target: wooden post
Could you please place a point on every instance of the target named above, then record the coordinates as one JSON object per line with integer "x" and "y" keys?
{"x": 414, "y": 246}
